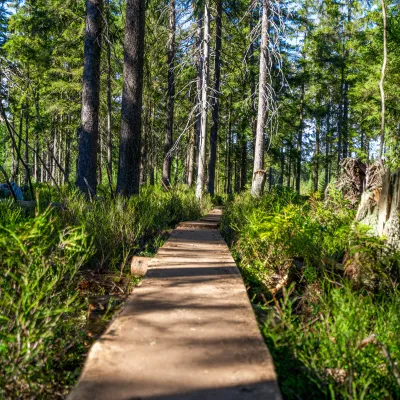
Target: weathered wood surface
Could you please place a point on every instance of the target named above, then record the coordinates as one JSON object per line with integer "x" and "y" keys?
{"x": 188, "y": 332}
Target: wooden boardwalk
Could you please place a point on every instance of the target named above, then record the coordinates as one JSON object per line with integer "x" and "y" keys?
{"x": 188, "y": 332}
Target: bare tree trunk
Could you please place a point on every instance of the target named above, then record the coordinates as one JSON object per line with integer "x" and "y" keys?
{"x": 55, "y": 151}
{"x": 109, "y": 103}
{"x": 252, "y": 84}
{"x": 382, "y": 80}
{"x": 131, "y": 113}
{"x": 243, "y": 162}
{"x": 300, "y": 140}
{"x": 327, "y": 146}
{"x": 215, "y": 100}
{"x": 18, "y": 147}
{"x": 166, "y": 173}
{"x": 13, "y": 158}
{"x": 282, "y": 161}
{"x": 27, "y": 169}
{"x": 100, "y": 164}
{"x": 201, "y": 171}
{"x": 89, "y": 131}
{"x": 316, "y": 154}
{"x": 289, "y": 165}
{"x": 229, "y": 153}
{"x": 199, "y": 67}
{"x": 340, "y": 121}
{"x": 67, "y": 165}
{"x": 192, "y": 140}
{"x": 42, "y": 170}
{"x": 257, "y": 187}
{"x": 380, "y": 203}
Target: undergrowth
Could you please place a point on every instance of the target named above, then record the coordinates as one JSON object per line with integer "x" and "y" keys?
{"x": 327, "y": 290}
{"x": 50, "y": 256}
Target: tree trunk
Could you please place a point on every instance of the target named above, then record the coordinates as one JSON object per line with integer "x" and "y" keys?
{"x": 89, "y": 130}
{"x": 215, "y": 100}
{"x": 27, "y": 173}
{"x": 201, "y": 171}
{"x": 380, "y": 203}
{"x": 229, "y": 154}
{"x": 327, "y": 146}
{"x": 131, "y": 113}
{"x": 382, "y": 80}
{"x": 300, "y": 140}
{"x": 316, "y": 153}
{"x": 243, "y": 162}
{"x": 252, "y": 84}
{"x": 166, "y": 177}
{"x": 257, "y": 187}
{"x": 192, "y": 140}
{"x": 109, "y": 103}
{"x": 199, "y": 68}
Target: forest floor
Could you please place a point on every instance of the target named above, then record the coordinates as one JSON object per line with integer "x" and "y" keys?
{"x": 188, "y": 331}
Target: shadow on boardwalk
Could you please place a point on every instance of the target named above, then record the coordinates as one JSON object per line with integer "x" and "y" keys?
{"x": 188, "y": 332}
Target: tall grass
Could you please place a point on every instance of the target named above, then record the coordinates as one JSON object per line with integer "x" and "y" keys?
{"x": 332, "y": 334}
{"x": 44, "y": 257}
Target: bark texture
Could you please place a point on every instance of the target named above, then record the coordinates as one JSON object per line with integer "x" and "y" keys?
{"x": 257, "y": 187}
{"x": 215, "y": 100}
{"x": 166, "y": 177}
{"x": 201, "y": 171}
{"x": 380, "y": 203}
{"x": 131, "y": 115}
{"x": 89, "y": 130}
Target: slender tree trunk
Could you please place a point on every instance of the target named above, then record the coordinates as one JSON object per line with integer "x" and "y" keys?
{"x": 289, "y": 165}
{"x": 199, "y": 67}
{"x": 382, "y": 80}
{"x": 18, "y": 147}
{"x": 166, "y": 177}
{"x": 252, "y": 84}
{"x": 55, "y": 152}
{"x": 346, "y": 88}
{"x": 192, "y": 141}
{"x": 151, "y": 150}
{"x": 27, "y": 169}
{"x": 215, "y": 100}
{"x": 327, "y": 145}
{"x": 131, "y": 113}
{"x": 340, "y": 120}
{"x": 43, "y": 170}
{"x": 229, "y": 153}
{"x": 109, "y": 103}
{"x": 89, "y": 130}
{"x": 316, "y": 153}
{"x": 257, "y": 187}
{"x": 100, "y": 164}
{"x": 345, "y": 120}
{"x": 243, "y": 162}
{"x": 201, "y": 171}
{"x": 67, "y": 165}
{"x": 300, "y": 140}
{"x": 13, "y": 158}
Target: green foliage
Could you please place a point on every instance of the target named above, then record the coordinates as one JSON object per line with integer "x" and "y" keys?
{"x": 332, "y": 285}
{"x": 46, "y": 259}
{"x": 39, "y": 262}
{"x": 328, "y": 356}
{"x": 125, "y": 226}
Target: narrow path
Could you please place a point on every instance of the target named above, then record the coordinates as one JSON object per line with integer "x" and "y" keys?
{"x": 188, "y": 332}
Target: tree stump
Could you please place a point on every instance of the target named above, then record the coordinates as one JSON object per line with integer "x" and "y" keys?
{"x": 380, "y": 203}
